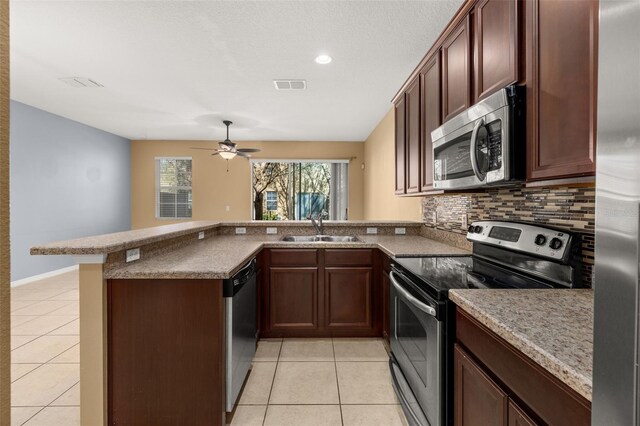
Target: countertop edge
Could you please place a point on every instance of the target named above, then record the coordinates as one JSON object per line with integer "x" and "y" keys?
{"x": 550, "y": 363}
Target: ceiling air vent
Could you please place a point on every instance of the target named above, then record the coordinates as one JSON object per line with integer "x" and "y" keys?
{"x": 80, "y": 82}
{"x": 290, "y": 84}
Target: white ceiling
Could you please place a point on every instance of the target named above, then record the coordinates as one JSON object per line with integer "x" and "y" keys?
{"x": 176, "y": 69}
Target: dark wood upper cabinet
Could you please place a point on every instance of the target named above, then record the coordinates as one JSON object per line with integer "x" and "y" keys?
{"x": 456, "y": 75}
{"x": 431, "y": 117}
{"x": 413, "y": 137}
{"x": 293, "y": 298}
{"x": 478, "y": 401}
{"x": 401, "y": 145}
{"x": 562, "y": 86}
{"x": 495, "y": 46}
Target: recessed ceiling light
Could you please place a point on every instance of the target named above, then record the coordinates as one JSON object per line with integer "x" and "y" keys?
{"x": 323, "y": 59}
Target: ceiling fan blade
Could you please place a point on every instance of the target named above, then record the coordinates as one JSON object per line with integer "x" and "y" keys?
{"x": 248, "y": 150}
{"x": 242, "y": 154}
{"x": 207, "y": 149}
{"x": 215, "y": 153}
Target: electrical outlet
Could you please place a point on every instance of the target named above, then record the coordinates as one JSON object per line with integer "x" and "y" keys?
{"x": 227, "y": 208}
{"x": 241, "y": 231}
{"x": 133, "y": 254}
{"x": 272, "y": 231}
{"x": 372, "y": 231}
{"x": 401, "y": 231}
{"x": 465, "y": 221}
{"x": 201, "y": 235}
{"x": 435, "y": 217}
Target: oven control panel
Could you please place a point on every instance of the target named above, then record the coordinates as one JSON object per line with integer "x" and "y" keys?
{"x": 527, "y": 238}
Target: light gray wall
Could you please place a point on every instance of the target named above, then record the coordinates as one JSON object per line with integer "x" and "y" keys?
{"x": 68, "y": 180}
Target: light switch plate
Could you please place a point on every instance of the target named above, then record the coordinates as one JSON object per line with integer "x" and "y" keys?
{"x": 201, "y": 235}
{"x": 133, "y": 254}
{"x": 465, "y": 222}
{"x": 272, "y": 231}
{"x": 401, "y": 231}
{"x": 241, "y": 231}
{"x": 371, "y": 231}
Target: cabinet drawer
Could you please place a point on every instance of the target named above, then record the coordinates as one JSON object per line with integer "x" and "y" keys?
{"x": 294, "y": 257}
{"x": 348, "y": 257}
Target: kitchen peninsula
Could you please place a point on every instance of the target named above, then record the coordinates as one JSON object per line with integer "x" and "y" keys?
{"x": 169, "y": 304}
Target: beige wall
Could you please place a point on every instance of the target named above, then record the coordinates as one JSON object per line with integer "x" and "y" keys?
{"x": 214, "y": 188}
{"x": 379, "y": 177}
{"x": 5, "y": 264}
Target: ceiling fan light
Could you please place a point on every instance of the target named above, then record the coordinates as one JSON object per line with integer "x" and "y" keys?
{"x": 227, "y": 155}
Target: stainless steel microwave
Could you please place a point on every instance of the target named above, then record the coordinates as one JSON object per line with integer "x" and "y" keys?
{"x": 483, "y": 145}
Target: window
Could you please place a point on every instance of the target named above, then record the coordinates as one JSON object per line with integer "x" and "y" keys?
{"x": 272, "y": 200}
{"x": 174, "y": 197}
{"x": 298, "y": 189}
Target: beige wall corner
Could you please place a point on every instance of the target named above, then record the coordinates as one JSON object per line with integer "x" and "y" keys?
{"x": 214, "y": 188}
{"x": 5, "y": 279}
{"x": 93, "y": 345}
{"x": 380, "y": 203}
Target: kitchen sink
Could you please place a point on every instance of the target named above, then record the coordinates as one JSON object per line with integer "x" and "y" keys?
{"x": 321, "y": 239}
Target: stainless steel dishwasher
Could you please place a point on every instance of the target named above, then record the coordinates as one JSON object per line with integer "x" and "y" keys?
{"x": 239, "y": 292}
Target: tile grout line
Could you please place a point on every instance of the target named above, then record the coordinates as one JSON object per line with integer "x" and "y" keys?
{"x": 273, "y": 380}
{"x": 34, "y": 414}
{"x": 335, "y": 367}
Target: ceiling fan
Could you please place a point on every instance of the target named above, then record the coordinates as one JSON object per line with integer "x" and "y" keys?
{"x": 227, "y": 149}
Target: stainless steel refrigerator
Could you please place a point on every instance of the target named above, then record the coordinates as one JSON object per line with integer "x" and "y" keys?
{"x": 616, "y": 329}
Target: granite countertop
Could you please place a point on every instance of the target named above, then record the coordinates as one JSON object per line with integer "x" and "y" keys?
{"x": 109, "y": 243}
{"x": 221, "y": 256}
{"x": 552, "y": 327}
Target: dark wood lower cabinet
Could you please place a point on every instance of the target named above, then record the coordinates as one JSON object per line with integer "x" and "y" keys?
{"x": 495, "y": 384}
{"x": 165, "y": 352}
{"x": 478, "y": 400}
{"x": 321, "y": 293}
{"x": 348, "y": 296}
{"x": 293, "y": 295}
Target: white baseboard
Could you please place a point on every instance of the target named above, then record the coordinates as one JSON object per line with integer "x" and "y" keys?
{"x": 31, "y": 279}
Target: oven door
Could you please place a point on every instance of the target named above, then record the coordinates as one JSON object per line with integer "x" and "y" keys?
{"x": 473, "y": 155}
{"x": 417, "y": 344}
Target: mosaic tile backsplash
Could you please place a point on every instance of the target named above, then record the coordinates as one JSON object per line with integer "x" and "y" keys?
{"x": 564, "y": 207}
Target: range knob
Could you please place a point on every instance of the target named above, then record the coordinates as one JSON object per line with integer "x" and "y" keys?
{"x": 555, "y": 243}
{"x": 478, "y": 229}
{"x": 540, "y": 240}
{"x": 471, "y": 229}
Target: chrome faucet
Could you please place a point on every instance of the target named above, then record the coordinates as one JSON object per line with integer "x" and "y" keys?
{"x": 319, "y": 227}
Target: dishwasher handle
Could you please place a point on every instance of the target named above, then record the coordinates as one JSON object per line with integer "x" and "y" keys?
{"x": 232, "y": 285}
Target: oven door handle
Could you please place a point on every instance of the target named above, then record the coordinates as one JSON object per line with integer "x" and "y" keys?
{"x": 473, "y": 147}
{"x": 429, "y": 310}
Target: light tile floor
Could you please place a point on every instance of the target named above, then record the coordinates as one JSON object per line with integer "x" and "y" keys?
{"x": 298, "y": 382}
{"x": 317, "y": 382}
{"x": 45, "y": 352}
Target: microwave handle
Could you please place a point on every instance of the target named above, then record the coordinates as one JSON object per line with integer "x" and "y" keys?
{"x": 472, "y": 150}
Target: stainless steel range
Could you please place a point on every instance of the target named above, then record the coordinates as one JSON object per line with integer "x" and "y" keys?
{"x": 505, "y": 255}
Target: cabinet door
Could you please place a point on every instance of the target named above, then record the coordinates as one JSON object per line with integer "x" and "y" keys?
{"x": 496, "y": 43}
{"x": 456, "y": 75}
{"x": 561, "y": 103}
{"x": 477, "y": 399}
{"x": 431, "y": 118}
{"x": 348, "y": 293}
{"x": 401, "y": 146}
{"x": 517, "y": 417}
{"x": 413, "y": 137}
{"x": 293, "y": 298}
